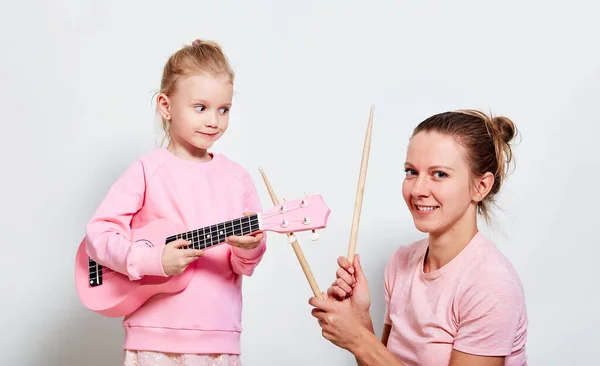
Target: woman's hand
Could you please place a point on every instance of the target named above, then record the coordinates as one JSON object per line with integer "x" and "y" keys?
{"x": 351, "y": 283}
{"x": 175, "y": 260}
{"x": 339, "y": 322}
{"x": 344, "y": 316}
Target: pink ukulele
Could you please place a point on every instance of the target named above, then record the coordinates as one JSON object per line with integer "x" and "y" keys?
{"x": 113, "y": 294}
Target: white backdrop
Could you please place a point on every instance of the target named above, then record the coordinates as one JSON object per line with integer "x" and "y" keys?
{"x": 77, "y": 84}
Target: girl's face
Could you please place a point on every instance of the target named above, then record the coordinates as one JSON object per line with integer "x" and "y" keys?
{"x": 198, "y": 109}
{"x": 439, "y": 189}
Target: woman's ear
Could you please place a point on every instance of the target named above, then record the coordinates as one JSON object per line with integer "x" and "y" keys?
{"x": 483, "y": 186}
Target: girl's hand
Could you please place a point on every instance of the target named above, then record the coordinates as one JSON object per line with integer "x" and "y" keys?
{"x": 246, "y": 241}
{"x": 351, "y": 283}
{"x": 175, "y": 260}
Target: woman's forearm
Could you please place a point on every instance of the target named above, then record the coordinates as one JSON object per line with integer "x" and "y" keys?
{"x": 368, "y": 324}
{"x": 367, "y": 321}
{"x": 370, "y": 351}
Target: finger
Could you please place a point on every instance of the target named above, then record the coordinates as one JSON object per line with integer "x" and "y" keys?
{"x": 345, "y": 277}
{"x": 241, "y": 240}
{"x": 190, "y": 258}
{"x": 318, "y": 314}
{"x": 327, "y": 335}
{"x": 343, "y": 285}
{"x": 188, "y": 261}
{"x": 235, "y": 241}
{"x": 179, "y": 243}
{"x": 360, "y": 275}
{"x": 337, "y": 292}
{"x": 322, "y": 304}
{"x": 193, "y": 253}
{"x": 332, "y": 290}
{"x": 344, "y": 263}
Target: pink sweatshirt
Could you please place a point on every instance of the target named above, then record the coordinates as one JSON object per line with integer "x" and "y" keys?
{"x": 474, "y": 304}
{"x": 206, "y": 316}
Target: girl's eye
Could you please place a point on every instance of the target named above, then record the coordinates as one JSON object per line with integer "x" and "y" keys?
{"x": 410, "y": 171}
{"x": 199, "y": 107}
{"x": 224, "y": 110}
{"x": 439, "y": 174}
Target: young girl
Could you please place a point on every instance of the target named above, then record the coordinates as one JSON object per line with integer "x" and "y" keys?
{"x": 452, "y": 298}
{"x": 194, "y": 188}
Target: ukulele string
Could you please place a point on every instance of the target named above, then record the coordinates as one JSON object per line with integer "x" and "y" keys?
{"x": 269, "y": 215}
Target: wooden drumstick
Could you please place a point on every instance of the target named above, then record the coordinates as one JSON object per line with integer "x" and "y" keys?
{"x": 303, "y": 263}
{"x": 360, "y": 188}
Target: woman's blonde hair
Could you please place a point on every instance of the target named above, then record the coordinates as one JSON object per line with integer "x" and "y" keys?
{"x": 487, "y": 140}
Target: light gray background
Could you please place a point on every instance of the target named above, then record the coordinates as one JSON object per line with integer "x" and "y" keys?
{"x": 77, "y": 84}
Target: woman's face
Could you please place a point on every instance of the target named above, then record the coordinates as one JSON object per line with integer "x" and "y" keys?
{"x": 438, "y": 187}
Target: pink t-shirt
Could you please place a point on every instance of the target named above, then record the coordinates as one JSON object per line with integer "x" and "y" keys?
{"x": 206, "y": 316}
{"x": 474, "y": 304}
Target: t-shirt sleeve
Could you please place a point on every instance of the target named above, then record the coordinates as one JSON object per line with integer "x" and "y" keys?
{"x": 489, "y": 309}
{"x": 388, "y": 285}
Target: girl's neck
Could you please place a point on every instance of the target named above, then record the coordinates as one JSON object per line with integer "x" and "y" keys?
{"x": 186, "y": 151}
{"x": 444, "y": 246}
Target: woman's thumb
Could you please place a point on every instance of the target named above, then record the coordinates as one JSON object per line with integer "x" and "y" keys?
{"x": 358, "y": 268}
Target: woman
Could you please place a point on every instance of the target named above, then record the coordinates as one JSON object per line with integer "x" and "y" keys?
{"x": 451, "y": 298}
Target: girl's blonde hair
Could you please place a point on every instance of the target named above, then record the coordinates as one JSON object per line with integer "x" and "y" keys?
{"x": 200, "y": 56}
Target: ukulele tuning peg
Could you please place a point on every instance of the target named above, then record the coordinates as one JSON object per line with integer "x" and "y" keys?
{"x": 291, "y": 238}
{"x": 314, "y": 236}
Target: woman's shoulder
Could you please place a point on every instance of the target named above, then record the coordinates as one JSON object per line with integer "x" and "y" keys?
{"x": 491, "y": 262}
{"x": 490, "y": 272}
{"x": 407, "y": 256}
{"x": 410, "y": 251}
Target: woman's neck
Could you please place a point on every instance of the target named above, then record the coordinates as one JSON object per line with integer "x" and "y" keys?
{"x": 444, "y": 246}
{"x": 188, "y": 152}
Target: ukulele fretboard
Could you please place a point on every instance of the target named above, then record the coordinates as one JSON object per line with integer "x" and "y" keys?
{"x": 200, "y": 239}
{"x": 216, "y": 234}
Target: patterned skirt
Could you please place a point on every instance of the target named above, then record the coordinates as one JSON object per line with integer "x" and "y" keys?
{"x": 148, "y": 358}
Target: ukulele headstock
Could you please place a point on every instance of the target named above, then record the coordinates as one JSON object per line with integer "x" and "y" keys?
{"x": 304, "y": 214}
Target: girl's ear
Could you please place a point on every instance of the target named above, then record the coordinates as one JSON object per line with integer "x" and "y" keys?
{"x": 164, "y": 106}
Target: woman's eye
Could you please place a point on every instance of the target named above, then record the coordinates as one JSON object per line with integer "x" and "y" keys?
{"x": 439, "y": 174}
{"x": 410, "y": 171}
